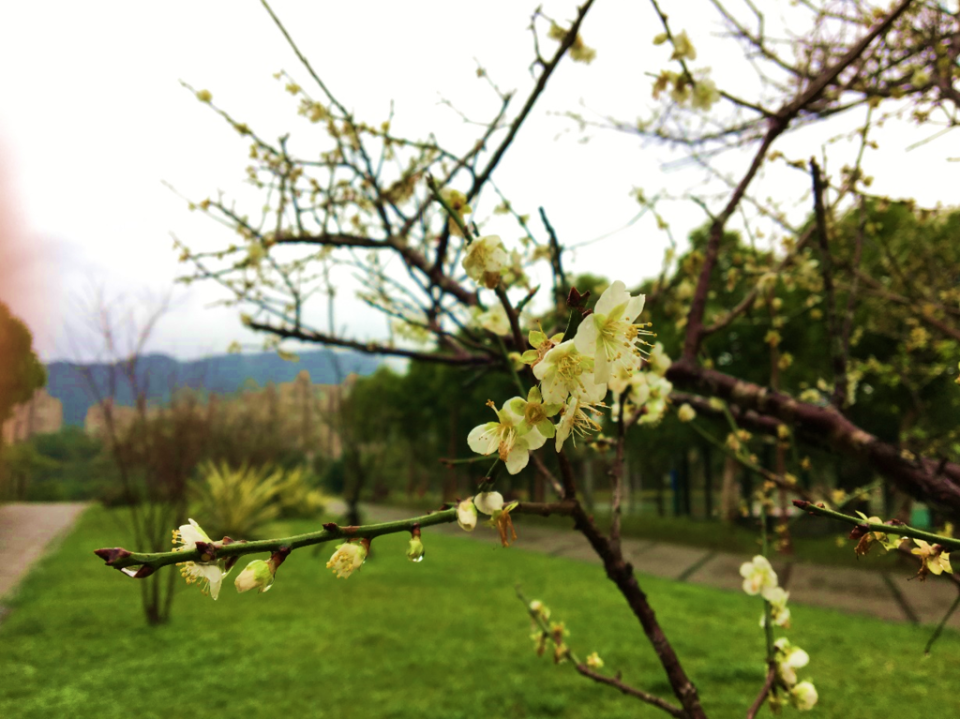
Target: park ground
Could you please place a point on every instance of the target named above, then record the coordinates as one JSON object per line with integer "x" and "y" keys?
{"x": 446, "y": 637}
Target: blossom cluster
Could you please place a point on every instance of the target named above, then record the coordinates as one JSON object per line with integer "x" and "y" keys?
{"x": 760, "y": 578}
{"x": 543, "y": 631}
{"x": 259, "y": 574}
{"x": 606, "y": 354}
{"x": 933, "y": 558}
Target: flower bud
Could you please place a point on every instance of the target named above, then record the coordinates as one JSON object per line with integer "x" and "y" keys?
{"x": 686, "y": 413}
{"x": 804, "y": 696}
{"x": 415, "y": 550}
{"x": 348, "y": 558}
{"x": 467, "y": 515}
{"x": 258, "y": 574}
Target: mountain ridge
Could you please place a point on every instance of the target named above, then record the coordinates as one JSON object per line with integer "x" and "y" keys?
{"x": 161, "y": 375}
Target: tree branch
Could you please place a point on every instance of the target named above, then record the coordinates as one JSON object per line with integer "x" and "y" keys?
{"x": 371, "y": 347}
{"x": 935, "y": 482}
{"x": 643, "y": 696}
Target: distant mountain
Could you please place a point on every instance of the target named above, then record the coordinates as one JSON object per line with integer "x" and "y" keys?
{"x": 161, "y": 375}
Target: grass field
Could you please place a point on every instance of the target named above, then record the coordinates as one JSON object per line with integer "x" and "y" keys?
{"x": 443, "y": 638}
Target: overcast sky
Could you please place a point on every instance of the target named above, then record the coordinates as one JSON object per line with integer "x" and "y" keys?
{"x": 93, "y": 119}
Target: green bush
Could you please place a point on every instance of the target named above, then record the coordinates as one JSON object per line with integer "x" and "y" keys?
{"x": 298, "y": 497}
{"x": 239, "y": 502}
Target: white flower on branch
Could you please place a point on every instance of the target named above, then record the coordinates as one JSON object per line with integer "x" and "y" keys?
{"x": 789, "y": 658}
{"x": 207, "y": 575}
{"x": 503, "y": 437}
{"x": 564, "y": 371}
{"x": 348, "y": 558}
{"x": 494, "y": 320}
{"x": 609, "y": 335}
{"x": 758, "y": 575}
{"x": 779, "y": 612}
{"x": 485, "y": 259}
{"x": 804, "y": 696}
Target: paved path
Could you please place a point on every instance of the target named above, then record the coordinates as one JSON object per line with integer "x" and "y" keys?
{"x": 26, "y": 530}
{"x": 887, "y": 595}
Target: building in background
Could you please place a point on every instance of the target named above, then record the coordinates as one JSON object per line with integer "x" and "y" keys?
{"x": 41, "y": 414}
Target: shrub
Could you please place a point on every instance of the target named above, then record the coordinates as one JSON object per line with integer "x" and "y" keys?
{"x": 239, "y": 502}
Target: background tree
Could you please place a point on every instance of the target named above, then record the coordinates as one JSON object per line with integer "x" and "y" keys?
{"x": 21, "y": 373}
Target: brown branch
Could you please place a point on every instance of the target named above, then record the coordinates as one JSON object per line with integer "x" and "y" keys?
{"x": 512, "y": 317}
{"x": 412, "y": 257}
{"x": 538, "y": 89}
{"x": 878, "y": 290}
{"x": 747, "y": 302}
{"x": 776, "y": 126}
{"x": 632, "y": 691}
{"x": 463, "y": 359}
{"x": 616, "y": 475}
{"x": 564, "y": 507}
{"x": 852, "y": 293}
{"x": 937, "y": 483}
{"x": 826, "y": 270}
{"x": 764, "y": 691}
{"x": 620, "y": 572}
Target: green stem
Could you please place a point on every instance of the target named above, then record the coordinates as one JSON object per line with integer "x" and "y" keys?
{"x": 156, "y": 560}
{"x": 455, "y": 216}
{"x": 898, "y": 529}
{"x": 767, "y": 613}
{"x": 513, "y": 370}
{"x": 544, "y": 627}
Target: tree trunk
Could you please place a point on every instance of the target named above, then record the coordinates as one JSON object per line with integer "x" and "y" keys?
{"x": 730, "y": 492}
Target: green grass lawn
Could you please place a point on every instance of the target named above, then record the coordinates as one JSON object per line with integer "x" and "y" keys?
{"x": 443, "y": 638}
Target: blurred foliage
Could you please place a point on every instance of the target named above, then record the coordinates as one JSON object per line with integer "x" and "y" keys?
{"x": 21, "y": 372}
{"x": 238, "y": 502}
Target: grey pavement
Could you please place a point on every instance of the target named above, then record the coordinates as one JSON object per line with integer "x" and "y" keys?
{"x": 886, "y": 595}
{"x": 27, "y": 530}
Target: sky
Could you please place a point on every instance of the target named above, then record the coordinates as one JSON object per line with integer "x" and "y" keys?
{"x": 94, "y": 126}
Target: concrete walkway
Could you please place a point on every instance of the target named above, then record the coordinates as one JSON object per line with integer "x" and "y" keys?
{"x": 26, "y": 531}
{"x": 886, "y": 595}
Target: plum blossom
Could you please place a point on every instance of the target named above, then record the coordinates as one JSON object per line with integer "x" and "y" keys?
{"x": 758, "y": 575}
{"x": 789, "y": 658}
{"x": 564, "y": 371}
{"x": 804, "y": 696}
{"x": 494, "y": 320}
{"x": 575, "y": 420}
{"x": 492, "y": 503}
{"x": 348, "y": 558}
{"x": 503, "y": 437}
{"x": 485, "y": 259}
{"x": 934, "y": 559}
{"x": 779, "y": 612}
{"x": 609, "y": 334}
{"x": 535, "y": 413}
{"x": 207, "y": 575}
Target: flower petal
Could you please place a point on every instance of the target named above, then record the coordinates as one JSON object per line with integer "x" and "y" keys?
{"x": 517, "y": 459}
{"x": 488, "y": 502}
{"x": 483, "y": 438}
